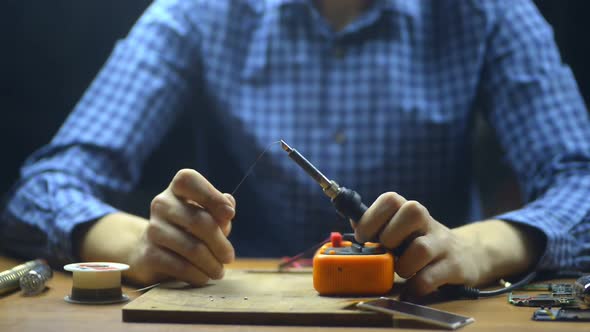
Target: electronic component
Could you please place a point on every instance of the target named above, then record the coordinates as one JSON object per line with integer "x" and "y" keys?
{"x": 347, "y": 268}
{"x": 555, "y": 289}
{"x": 562, "y": 295}
{"x": 422, "y": 313}
{"x": 542, "y": 300}
{"x": 562, "y": 314}
{"x": 582, "y": 288}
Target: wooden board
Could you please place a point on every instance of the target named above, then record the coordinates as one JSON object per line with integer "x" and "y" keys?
{"x": 251, "y": 297}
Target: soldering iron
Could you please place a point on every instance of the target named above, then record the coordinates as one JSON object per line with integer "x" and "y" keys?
{"x": 346, "y": 201}
{"x": 349, "y": 204}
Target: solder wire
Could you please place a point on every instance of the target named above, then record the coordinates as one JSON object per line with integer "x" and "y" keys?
{"x": 248, "y": 172}
{"x": 251, "y": 168}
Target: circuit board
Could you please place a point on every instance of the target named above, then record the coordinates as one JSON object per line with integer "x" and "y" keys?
{"x": 542, "y": 300}
{"x": 561, "y": 295}
{"x": 562, "y": 314}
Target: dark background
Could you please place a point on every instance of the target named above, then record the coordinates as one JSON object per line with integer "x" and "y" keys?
{"x": 51, "y": 50}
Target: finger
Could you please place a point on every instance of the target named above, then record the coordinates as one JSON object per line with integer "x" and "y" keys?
{"x": 227, "y": 229}
{"x": 410, "y": 220}
{"x": 430, "y": 278}
{"x": 197, "y": 222}
{"x": 226, "y": 224}
{"x": 166, "y": 263}
{"x": 191, "y": 249}
{"x": 231, "y": 199}
{"x": 377, "y": 215}
{"x": 420, "y": 252}
{"x": 191, "y": 185}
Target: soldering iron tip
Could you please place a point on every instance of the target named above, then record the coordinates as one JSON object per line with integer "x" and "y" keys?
{"x": 286, "y": 146}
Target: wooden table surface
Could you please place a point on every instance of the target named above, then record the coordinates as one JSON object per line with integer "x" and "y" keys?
{"x": 49, "y": 312}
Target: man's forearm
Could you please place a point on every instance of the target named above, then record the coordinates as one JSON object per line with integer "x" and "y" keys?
{"x": 505, "y": 249}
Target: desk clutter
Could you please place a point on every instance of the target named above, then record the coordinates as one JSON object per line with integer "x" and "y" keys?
{"x": 93, "y": 283}
{"x": 30, "y": 277}
{"x": 272, "y": 297}
{"x": 288, "y": 298}
{"x": 558, "y": 301}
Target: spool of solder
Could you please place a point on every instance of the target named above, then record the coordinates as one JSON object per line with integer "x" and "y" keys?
{"x": 96, "y": 283}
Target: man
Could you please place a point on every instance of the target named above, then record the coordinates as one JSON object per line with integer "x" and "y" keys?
{"x": 380, "y": 95}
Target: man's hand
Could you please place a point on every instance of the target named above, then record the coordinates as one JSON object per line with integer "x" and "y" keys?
{"x": 435, "y": 255}
{"x": 185, "y": 239}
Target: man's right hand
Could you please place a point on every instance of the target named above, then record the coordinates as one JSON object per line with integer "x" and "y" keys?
{"x": 185, "y": 239}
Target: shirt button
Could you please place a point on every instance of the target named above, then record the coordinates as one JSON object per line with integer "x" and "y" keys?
{"x": 339, "y": 52}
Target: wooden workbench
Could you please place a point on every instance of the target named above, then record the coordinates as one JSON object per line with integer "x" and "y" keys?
{"x": 49, "y": 312}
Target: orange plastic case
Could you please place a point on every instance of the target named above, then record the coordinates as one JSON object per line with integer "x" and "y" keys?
{"x": 352, "y": 274}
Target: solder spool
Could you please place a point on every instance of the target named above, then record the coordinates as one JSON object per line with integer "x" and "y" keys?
{"x": 96, "y": 283}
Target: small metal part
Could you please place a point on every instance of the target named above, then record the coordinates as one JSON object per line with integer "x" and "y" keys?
{"x": 347, "y": 202}
{"x": 554, "y": 288}
{"x": 9, "y": 279}
{"x": 562, "y": 289}
{"x": 356, "y": 250}
{"x": 147, "y": 287}
{"x": 245, "y": 298}
{"x": 330, "y": 187}
{"x": 546, "y": 314}
{"x": 34, "y": 281}
{"x": 582, "y": 288}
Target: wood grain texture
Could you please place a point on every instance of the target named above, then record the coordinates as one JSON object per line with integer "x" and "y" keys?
{"x": 49, "y": 312}
{"x": 251, "y": 297}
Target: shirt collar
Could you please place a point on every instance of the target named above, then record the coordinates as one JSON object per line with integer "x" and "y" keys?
{"x": 404, "y": 7}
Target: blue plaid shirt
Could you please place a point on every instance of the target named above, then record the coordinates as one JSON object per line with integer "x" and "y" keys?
{"x": 387, "y": 104}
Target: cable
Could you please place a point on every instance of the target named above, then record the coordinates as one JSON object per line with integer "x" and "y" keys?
{"x": 309, "y": 251}
{"x": 251, "y": 168}
{"x": 466, "y": 292}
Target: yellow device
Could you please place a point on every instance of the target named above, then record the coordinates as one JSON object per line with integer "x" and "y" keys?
{"x": 347, "y": 268}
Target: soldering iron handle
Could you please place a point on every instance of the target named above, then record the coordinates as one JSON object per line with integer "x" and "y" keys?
{"x": 349, "y": 204}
